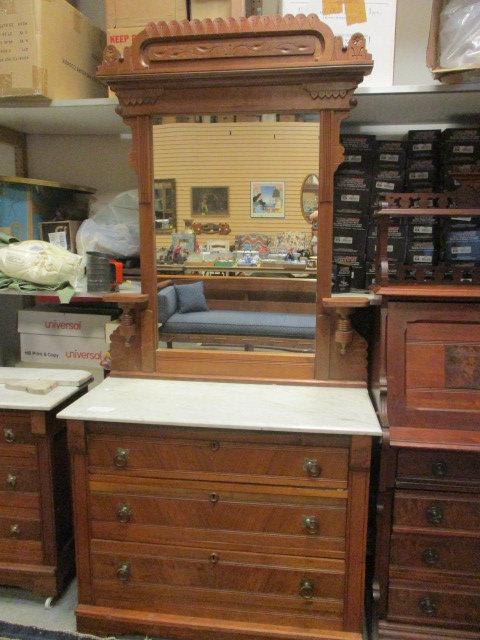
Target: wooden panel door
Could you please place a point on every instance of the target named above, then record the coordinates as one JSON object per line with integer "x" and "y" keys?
{"x": 433, "y": 365}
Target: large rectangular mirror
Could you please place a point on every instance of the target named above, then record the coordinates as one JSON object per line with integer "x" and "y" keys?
{"x": 238, "y": 272}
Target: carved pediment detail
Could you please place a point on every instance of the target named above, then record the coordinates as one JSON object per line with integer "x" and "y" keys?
{"x": 322, "y": 93}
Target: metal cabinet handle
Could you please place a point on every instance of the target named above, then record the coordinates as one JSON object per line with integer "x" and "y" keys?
{"x": 439, "y": 469}
{"x": 11, "y": 480}
{"x": 215, "y": 445}
{"x": 430, "y": 556}
{"x": 312, "y": 467}
{"x": 123, "y": 572}
{"x": 307, "y": 589}
{"x": 434, "y": 514}
{"x": 310, "y": 524}
{"x": 120, "y": 460}
{"x": 123, "y": 513}
{"x": 9, "y": 435}
{"x": 428, "y": 606}
{"x": 214, "y": 558}
{"x": 14, "y": 530}
{"x": 214, "y": 498}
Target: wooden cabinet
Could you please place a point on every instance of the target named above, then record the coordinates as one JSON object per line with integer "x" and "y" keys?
{"x": 36, "y": 536}
{"x": 200, "y": 533}
{"x": 427, "y": 574}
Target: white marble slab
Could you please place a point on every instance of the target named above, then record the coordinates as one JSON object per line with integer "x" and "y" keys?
{"x": 63, "y": 377}
{"x": 10, "y": 399}
{"x": 302, "y": 409}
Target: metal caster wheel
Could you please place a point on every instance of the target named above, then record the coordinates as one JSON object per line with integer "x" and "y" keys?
{"x": 50, "y": 602}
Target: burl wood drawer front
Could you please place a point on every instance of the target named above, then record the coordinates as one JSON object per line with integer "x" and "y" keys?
{"x": 219, "y": 460}
{"x": 203, "y": 513}
{"x": 439, "y": 467}
{"x": 455, "y": 555}
{"x": 429, "y": 510}
{"x": 450, "y": 608}
{"x": 250, "y": 586}
{"x": 433, "y": 365}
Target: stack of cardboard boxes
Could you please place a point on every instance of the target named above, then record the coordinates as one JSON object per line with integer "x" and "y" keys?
{"x": 423, "y": 162}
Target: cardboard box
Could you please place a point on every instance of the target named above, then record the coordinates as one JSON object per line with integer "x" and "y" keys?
{"x": 55, "y": 323}
{"x": 341, "y": 278}
{"x": 422, "y": 253}
{"x": 49, "y": 50}
{"x": 200, "y": 9}
{"x": 120, "y": 14}
{"x": 359, "y": 153}
{"x": 422, "y": 175}
{"x": 61, "y": 233}
{"x": 455, "y": 75}
{"x": 390, "y": 154}
{"x": 463, "y": 245}
{"x": 351, "y": 193}
{"x": 424, "y": 143}
{"x": 61, "y": 349}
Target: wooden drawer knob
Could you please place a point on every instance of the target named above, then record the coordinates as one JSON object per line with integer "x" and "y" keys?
{"x": 310, "y": 524}
{"x": 120, "y": 459}
{"x": 439, "y": 469}
{"x": 123, "y": 513}
{"x": 123, "y": 572}
{"x": 9, "y": 435}
{"x": 14, "y": 530}
{"x": 434, "y": 514}
{"x": 11, "y": 480}
{"x": 312, "y": 467}
{"x": 430, "y": 556}
{"x": 307, "y": 589}
{"x": 428, "y": 606}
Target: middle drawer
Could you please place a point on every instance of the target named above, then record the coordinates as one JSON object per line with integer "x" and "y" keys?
{"x": 436, "y": 510}
{"x": 231, "y": 516}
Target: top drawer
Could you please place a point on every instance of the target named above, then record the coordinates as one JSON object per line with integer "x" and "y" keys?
{"x": 439, "y": 467}
{"x": 219, "y": 460}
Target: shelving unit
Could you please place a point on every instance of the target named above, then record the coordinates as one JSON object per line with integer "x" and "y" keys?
{"x": 395, "y": 105}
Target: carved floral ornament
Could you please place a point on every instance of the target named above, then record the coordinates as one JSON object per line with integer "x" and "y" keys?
{"x": 257, "y": 42}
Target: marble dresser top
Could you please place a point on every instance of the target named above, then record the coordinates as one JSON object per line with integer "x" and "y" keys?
{"x": 69, "y": 380}
{"x": 261, "y": 407}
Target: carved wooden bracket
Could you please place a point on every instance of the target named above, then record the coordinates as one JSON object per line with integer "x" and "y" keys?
{"x": 125, "y": 341}
{"x": 344, "y": 307}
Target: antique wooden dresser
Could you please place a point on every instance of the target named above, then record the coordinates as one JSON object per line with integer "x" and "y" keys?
{"x": 36, "y": 536}
{"x": 245, "y": 522}
{"x": 426, "y": 382}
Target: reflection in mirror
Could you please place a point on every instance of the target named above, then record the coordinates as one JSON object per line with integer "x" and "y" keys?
{"x": 235, "y": 260}
{"x": 309, "y": 197}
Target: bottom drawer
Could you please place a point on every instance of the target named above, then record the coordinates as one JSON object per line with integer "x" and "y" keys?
{"x": 241, "y": 586}
{"x": 409, "y": 602}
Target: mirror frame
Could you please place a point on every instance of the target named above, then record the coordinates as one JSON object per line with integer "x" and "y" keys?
{"x": 261, "y": 64}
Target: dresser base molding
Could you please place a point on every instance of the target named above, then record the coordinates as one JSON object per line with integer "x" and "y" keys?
{"x": 392, "y": 631}
{"x": 105, "y": 621}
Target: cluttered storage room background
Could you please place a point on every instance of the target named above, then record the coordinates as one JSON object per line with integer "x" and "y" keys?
{"x": 239, "y": 295}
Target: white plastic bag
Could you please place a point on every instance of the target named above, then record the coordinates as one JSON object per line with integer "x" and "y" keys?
{"x": 41, "y": 263}
{"x": 459, "y": 34}
{"x": 113, "y": 226}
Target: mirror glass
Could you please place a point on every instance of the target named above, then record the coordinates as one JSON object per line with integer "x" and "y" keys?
{"x": 309, "y": 197}
{"x": 231, "y": 224}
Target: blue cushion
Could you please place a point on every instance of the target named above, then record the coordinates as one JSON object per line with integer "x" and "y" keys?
{"x": 243, "y": 323}
{"x": 167, "y": 303}
{"x": 191, "y": 297}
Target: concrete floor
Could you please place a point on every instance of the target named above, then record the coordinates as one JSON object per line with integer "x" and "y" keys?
{"x": 20, "y": 607}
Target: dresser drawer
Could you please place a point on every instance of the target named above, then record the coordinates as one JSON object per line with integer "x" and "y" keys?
{"x": 438, "y": 467}
{"x": 428, "y": 510}
{"x": 20, "y": 536}
{"x": 407, "y": 602}
{"x": 220, "y": 460}
{"x": 18, "y": 474}
{"x": 150, "y": 576}
{"x": 15, "y": 428}
{"x": 207, "y": 513}
{"x": 456, "y": 555}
